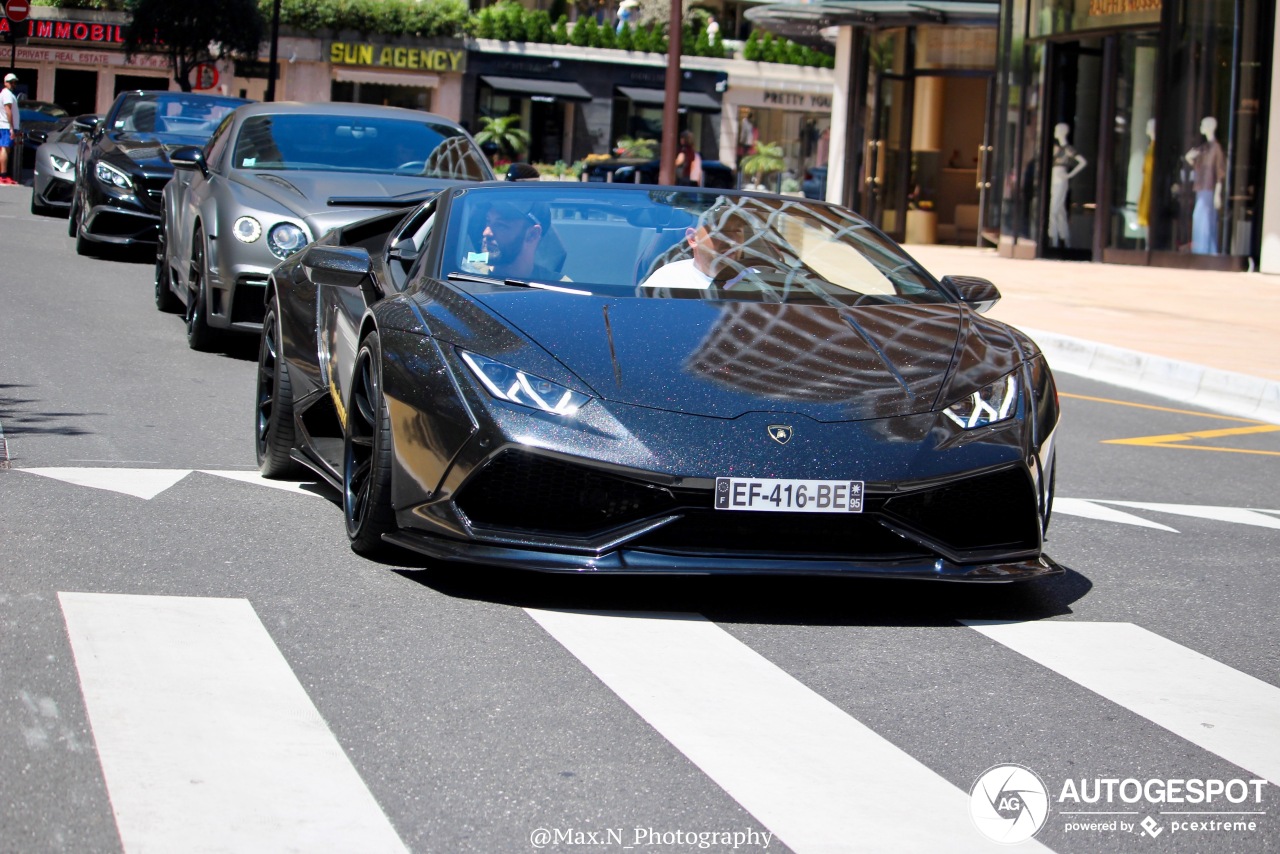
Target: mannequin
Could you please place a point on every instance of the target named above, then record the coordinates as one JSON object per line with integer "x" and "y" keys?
{"x": 1148, "y": 170}
{"x": 1210, "y": 166}
{"x": 1063, "y": 156}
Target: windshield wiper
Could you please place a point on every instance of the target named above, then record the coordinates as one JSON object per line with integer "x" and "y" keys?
{"x": 515, "y": 283}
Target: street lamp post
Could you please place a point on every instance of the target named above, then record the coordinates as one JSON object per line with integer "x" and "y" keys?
{"x": 275, "y": 41}
{"x": 671, "y": 97}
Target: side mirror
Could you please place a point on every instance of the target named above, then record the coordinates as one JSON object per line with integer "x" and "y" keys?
{"x": 978, "y": 294}
{"x": 189, "y": 157}
{"x": 85, "y": 123}
{"x": 522, "y": 172}
{"x": 336, "y": 266}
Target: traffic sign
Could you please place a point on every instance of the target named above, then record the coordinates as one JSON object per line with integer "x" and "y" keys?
{"x": 204, "y": 75}
{"x": 17, "y": 10}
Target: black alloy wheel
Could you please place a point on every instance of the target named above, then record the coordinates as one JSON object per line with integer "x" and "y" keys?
{"x": 73, "y": 215}
{"x": 274, "y": 431}
{"x": 366, "y": 455}
{"x": 166, "y": 300}
{"x": 199, "y": 335}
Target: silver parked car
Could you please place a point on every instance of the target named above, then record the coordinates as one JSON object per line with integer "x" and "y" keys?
{"x": 55, "y": 170}
{"x": 274, "y": 177}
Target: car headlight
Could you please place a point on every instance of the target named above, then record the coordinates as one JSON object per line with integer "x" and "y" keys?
{"x": 506, "y": 383}
{"x": 112, "y": 177}
{"x": 60, "y": 164}
{"x": 285, "y": 238}
{"x": 247, "y": 229}
{"x": 988, "y": 405}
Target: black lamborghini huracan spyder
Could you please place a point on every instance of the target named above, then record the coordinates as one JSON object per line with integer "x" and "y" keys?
{"x": 588, "y": 377}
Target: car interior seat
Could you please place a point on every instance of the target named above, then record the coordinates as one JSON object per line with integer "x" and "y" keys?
{"x": 666, "y": 245}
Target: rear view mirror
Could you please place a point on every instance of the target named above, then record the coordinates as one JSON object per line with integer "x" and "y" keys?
{"x": 189, "y": 157}
{"x": 336, "y": 266}
{"x": 978, "y": 294}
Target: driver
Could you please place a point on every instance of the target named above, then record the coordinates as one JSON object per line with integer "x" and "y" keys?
{"x": 716, "y": 242}
{"x": 508, "y": 246}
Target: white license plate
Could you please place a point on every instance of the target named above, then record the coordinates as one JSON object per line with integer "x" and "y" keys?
{"x": 789, "y": 496}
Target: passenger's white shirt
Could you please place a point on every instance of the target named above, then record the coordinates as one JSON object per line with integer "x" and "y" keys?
{"x": 679, "y": 274}
{"x": 7, "y": 97}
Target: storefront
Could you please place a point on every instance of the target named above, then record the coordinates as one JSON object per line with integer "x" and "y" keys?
{"x": 797, "y": 115}
{"x": 1133, "y": 131}
{"x": 76, "y": 59}
{"x": 912, "y": 91}
{"x": 573, "y": 106}
{"x": 416, "y": 75}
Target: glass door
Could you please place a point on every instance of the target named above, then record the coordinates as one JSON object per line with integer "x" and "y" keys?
{"x": 888, "y": 157}
{"x": 1133, "y": 148}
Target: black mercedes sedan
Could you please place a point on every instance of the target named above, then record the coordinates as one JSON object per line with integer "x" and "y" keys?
{"x": 123, "y": 163}
{"x": 611, "y": 378}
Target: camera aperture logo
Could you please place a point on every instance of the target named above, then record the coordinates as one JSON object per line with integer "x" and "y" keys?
{"x": 1009, "y": 803}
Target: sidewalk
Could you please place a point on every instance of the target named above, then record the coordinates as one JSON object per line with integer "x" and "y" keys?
{"x": 1195, "y": 336}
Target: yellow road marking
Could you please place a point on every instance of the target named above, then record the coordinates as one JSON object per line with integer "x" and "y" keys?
{"x": 1161, "y": 408}
{"x": 1175, "y": 440}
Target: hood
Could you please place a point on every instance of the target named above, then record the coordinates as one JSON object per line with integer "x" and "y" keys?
{"x": 725, "y": 359}
{"x": 150, "y": 151}
{"x": 307, "y": 192}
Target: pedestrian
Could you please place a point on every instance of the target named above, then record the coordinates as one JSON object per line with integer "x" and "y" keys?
{"x": 10, "y": 127}
{"x": 686, "y": 156}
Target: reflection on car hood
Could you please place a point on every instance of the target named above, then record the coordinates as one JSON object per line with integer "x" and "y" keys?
{"x": 723, "y": 359}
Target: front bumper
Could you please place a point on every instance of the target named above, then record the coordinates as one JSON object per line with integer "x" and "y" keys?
{"x": 643, "y": 562}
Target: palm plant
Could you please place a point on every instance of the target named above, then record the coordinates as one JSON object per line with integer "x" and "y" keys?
{"x": 502, "y": 132}
{"x": 638, "y": 147}
{"x": 765, "y": 160}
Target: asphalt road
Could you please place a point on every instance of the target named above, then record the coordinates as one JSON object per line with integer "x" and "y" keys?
{"x": 150, "y": 581}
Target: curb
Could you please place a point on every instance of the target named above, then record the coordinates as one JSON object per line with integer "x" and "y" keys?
{"x": 1221, "y": 391}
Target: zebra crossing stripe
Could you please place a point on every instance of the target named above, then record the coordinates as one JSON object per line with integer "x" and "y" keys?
{"x": 1091, "y": 510}
{"x": 1215, "y": 707}
{"x": 206, "y": 738}
{"x": 140, "y": 483}
{"x": 819, "y": 779}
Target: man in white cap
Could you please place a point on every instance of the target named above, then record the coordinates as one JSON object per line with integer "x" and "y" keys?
{"x": 10, "y": 125}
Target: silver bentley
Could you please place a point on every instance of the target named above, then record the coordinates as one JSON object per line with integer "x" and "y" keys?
{"x": 273, "y": 178}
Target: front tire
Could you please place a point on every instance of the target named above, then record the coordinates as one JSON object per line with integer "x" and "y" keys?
{"x": 366, "y": 455}
{"x": 275, "y": 436}
{"x": 166, "y": 300}
{"x": 199, "y": 334}
{"x": 84, "y": 246}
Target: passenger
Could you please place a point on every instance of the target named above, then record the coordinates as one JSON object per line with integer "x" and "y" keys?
{"x": 716, "y": 243}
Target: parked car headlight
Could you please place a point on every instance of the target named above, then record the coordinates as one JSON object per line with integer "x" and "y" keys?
{"x": 60, "y": 164}
{"x": 247, "y": 229}
{"x": 988, "y": 405}
{"x": 285, "y": 238}
{"x": 506, "y": 383}
{"x": 112, "y": 177}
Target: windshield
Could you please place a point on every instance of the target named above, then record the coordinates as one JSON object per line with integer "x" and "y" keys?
{"x": 670, "y": 244}
{"x": 171, "y": 113}
{"x": 349, "y": 143}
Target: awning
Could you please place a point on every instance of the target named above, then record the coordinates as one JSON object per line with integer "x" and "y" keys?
{"x": 539, "y": 90}
{"x": 688, "y": 100}
{"x": 386, "y": 78}
{"x": 804, "y": 21}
